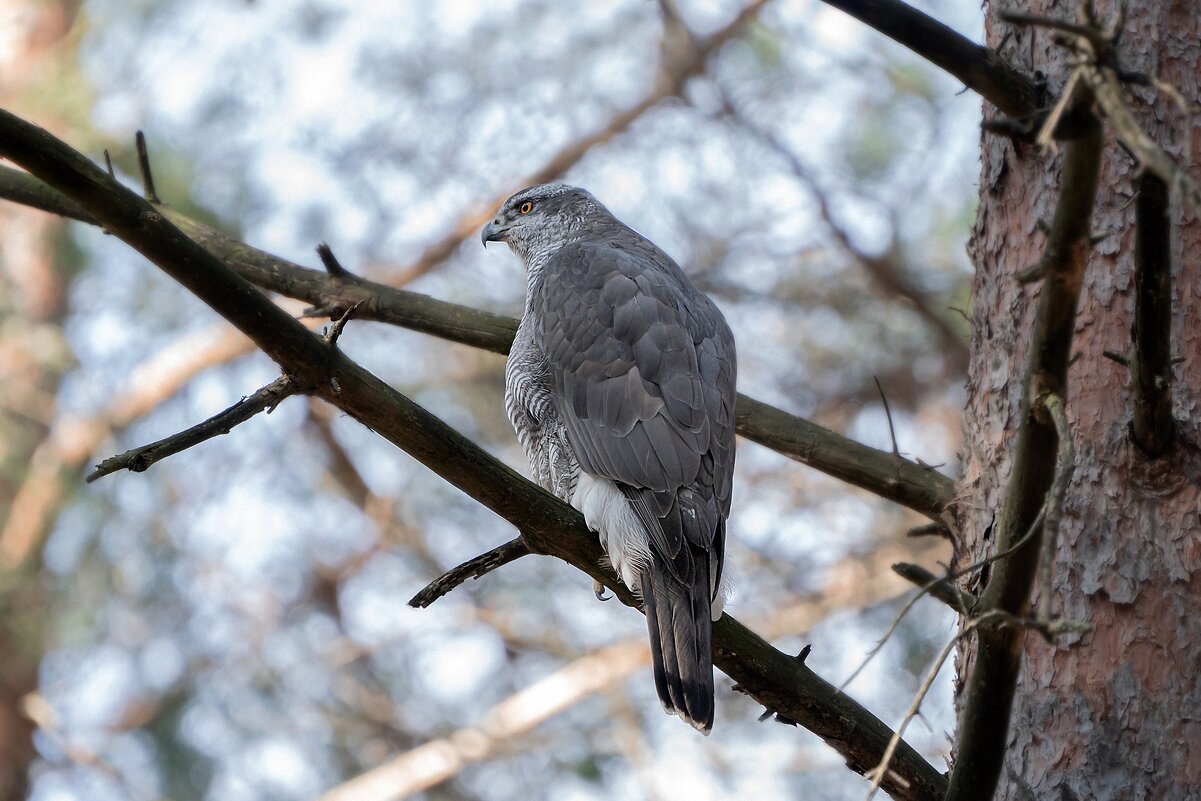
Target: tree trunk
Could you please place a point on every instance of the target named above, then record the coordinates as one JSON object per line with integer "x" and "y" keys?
{"x": 1114, "y": 713}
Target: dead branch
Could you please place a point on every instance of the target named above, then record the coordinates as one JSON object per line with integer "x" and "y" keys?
{"x": 901, "y": 480}
{"x": 481, "y": 565}
{"x": 980, "y": 69}
{"x": 148, "y": 191}
{"x": 984, "y": 721}
{"x": 549, "y": 526}
{"x": 140, "y": 459}
{"x": 940, "y": 587}
{"x": 880, "y": 772}
{"x": 947, "y": 584}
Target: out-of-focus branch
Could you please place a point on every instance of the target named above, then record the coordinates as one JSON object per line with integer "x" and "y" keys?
{"x": 886, "y": 269}
{"x": 984, "y": 723}
{"x": 1151, "y": 360}
{"x": 982, "y": 70}
{"x": 436, "y": 761}
{"x": 548, "y": 526}
{"x": 439, "y": 760}
{"x": 141, "y": 458}
{"x": 55, "y": 463}
{"x": 676, "y": 77}
{"x": 905, "y": 482}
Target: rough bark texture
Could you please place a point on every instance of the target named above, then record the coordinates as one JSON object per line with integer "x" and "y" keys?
{"x": 1115, "y": 713}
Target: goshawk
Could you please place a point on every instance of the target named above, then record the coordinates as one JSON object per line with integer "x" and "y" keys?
{"x": 620, "y": 385}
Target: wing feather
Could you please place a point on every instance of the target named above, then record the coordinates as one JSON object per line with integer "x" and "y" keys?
{"x": 643, "y": 366}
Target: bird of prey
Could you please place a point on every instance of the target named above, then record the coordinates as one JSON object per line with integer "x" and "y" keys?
{"x": 620, "y": 386}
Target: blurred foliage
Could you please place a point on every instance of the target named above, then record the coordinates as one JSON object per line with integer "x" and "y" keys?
{"x": 231, "y": 624}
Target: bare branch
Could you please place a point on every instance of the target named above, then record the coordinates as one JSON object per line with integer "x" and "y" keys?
{"x": 892, "y": 432}
{"x": 481, "y": 565}
{"x": 880, "y": 772}
{"x": 940, "y": 587}
{"x": 901, "y": 480}
{"x": 982, "y": 70}
{"x": 331, "y": 263}
{"x": 887, "y": 270}
{"x": 469, "y": 225}
{"x": 434, "y": 762}
{"x": 944, "y": 584}
{"x": 548, "y": 526}
{"x": 1100, "y": 71}
{"x": 140, "y": 459}
{"x": 984, "y": 722}
{"x": 144, "y": 166}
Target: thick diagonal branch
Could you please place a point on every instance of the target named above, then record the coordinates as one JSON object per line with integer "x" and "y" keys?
{"x": 897, "y": 479}
{"x": 984, "y": 722}
{"x": 549, "y": 526}
{"x": 980, "y": 69}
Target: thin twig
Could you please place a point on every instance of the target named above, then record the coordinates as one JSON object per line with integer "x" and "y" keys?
{"x": 481, "y": 565}
{"x": 139, "y": 459}
{"x": 144, "y": 165}
{"x": 950, "y": 578}
{"x": 880, "y": 771}
{"x": 941, "y": 587}
{"x": 335, "y": 330}
{"x": 892, "y": 432}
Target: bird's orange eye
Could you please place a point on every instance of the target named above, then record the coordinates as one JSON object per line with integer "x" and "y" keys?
{"x": 525, "y": 208}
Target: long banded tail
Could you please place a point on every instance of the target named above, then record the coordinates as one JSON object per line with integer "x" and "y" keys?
{"x": 678, "y": 618}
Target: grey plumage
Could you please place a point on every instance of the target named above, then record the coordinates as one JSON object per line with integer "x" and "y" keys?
{"x": 620, "y": 386}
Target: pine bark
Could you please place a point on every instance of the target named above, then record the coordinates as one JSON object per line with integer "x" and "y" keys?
{"x": 1114, "y": 713}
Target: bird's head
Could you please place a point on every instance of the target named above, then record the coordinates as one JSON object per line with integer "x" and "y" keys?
{"x": 541, "y": 217}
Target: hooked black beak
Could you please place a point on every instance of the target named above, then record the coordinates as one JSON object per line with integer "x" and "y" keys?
{"x": 494, "y": 232}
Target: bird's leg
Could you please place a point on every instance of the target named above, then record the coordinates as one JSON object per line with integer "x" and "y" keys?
{"x": 598, "y": 590}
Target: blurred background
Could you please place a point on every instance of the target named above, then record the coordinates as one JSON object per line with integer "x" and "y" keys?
{"x": 232, "y": 623}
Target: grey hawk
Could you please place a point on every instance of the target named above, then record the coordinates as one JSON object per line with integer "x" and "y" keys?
{"x": 620, "y": 385}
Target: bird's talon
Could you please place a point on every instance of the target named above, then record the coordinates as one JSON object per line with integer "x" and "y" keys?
{"x": 598, "y": 590}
